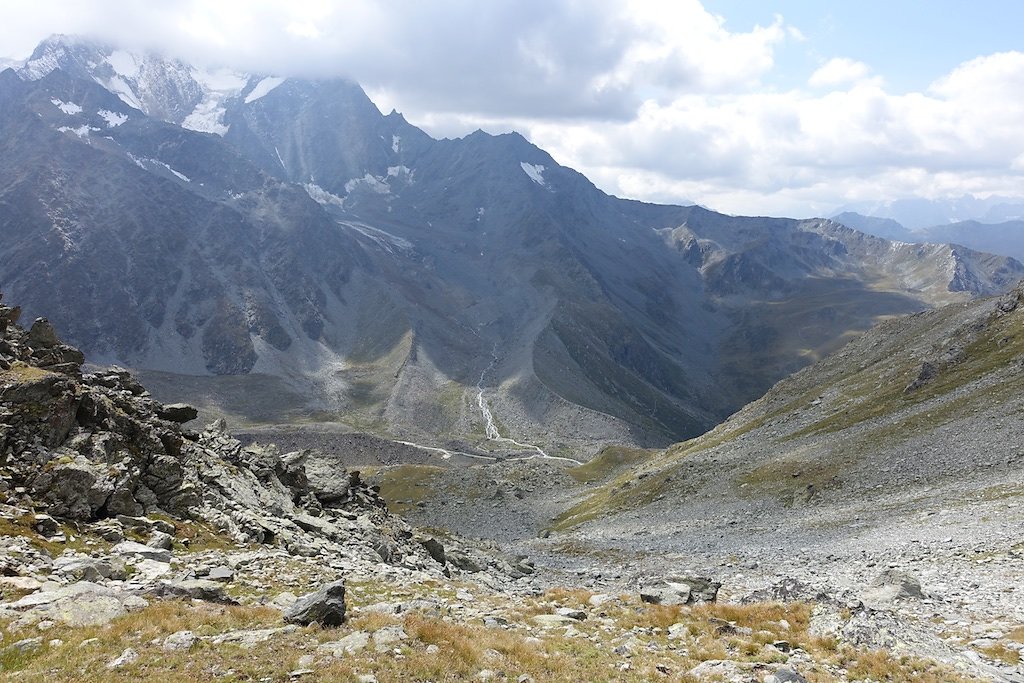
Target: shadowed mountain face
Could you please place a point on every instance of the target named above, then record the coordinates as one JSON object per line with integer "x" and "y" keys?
{"x": 233, "y": 225}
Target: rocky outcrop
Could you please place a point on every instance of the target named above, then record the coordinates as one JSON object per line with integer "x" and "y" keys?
{"x": 97, "y": 451}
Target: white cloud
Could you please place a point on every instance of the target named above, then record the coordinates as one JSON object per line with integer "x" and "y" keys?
{"x": 839, "y": 71}
{"x": 802, "y": 153}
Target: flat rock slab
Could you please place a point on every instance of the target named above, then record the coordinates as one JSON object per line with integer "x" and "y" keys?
{"x": 552, "y": 620}
{"x": 349, "y": 645}
{"x": 248, "y": 639}
{"x": 80, "y": 604}
{"x": 129, "y": 549}
{"x": 196, "y": 589}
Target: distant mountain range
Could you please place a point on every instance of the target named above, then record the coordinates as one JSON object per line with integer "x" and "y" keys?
{"x": 918, "y": 213}
{"x": 248, "y": 226}
{"x": 1006, "y": 238}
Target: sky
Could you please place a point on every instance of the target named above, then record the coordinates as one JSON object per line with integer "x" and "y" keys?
{"x": 774, "y": 107}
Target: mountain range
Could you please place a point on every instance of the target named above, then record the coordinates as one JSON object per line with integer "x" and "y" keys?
{"x": 261, "y": 231}
{"x": 918, "y": 213}
{"x": 1006, "y": 238}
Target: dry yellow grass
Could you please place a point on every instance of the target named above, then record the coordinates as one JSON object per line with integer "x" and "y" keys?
{"x": 444, "y": 648}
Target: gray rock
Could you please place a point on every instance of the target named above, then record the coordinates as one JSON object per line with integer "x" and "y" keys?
{"x": 221, "y": 573}
{"x": 434, "y": 548}
{"x": 552, "y": 620}
{"x": 350, "y": 644}
{"x": 327, "y": 479}
{"x": 110, "y": 531}
{"x": 249, "y": 639}
{"x": 325, "y": 607}
{"x": 179, "y": 640}
{"x": 464, "y": 561}
{"x": 681, "y": 591}
{"x": 73, "y": 487}
{"x": 131, "y": 549}
{"x": 82, "y": 568}
{"x": 177, "y": 412}
{"x": 126, "y": 657}
{"x": 388, "y": 637}
{"x": 784, "y": 675}
{"x": 158, "y": 539}
{"x": 892, "y": 585}
{"x": 46, "y": 525}
{"x": 80, "y": 604}
{"x": 42, "y": 335}
{"x": 148, "y": 571}
{"x": 24, "y": 645}
{"x": 282, "y": 601}
{"x": 577, "y": 614}
{"x": 195, "y": 589}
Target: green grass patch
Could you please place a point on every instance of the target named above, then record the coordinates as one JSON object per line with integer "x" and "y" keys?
{"x": 609, "y": 462}
{"x": 404, "y": 486}
{"x": 628, "y": 491}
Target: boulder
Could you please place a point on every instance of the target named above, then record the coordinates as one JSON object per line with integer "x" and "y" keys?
{"x": 784, "y": 675}
{"x": 160, "y": 540}
{"x": 388, "y": 637}
{"x": 194, "y": 589}
{"x": 435, "y": 549}
{"x": 349, "y": 645}
{"x": 685, "y": 590}
{"x": 177, "y": 412}
{"x": 325, "y": 607}
{"x": 73, "y": 487}
{"x": 46, "y": 525}
{"x": 80, "y": 604}
{"x": 42, "y": 335}
{"x": 131, "y": 549}
{"x": 84, "y": 568}
{"x": 179, "y": 640}
{"x": 221, "y": 574}
{"x": 893, "y": 585}
{"x": 464, "y": 561}
{"x": 329, "y": 481}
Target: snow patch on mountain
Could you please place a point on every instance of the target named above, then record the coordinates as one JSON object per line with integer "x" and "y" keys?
{"x": 384, "y": 240}
{"x": 207, "y": 117}
{"x": 119, "y": 87}
{"x": 142, "y": 161}
{"x": 369, "y": 182}
{"x": 397, "y": 171}
{"x": 124, "y": 64}
{"x": 81, "y": 131}
{"x": 262, "y": 88}
{"x": 69, "y": 108}
{"x": 396, "y": 143}
{"x": 218, "y": 86}
{"x": 113, "y": 118}
{"x": 535, "y": 171}
{"x": 180, "y": 176}
{"x": 322, "y": 196}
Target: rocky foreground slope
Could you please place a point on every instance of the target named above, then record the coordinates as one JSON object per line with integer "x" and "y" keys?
{"x": 886, "y": 479}
{"x": 134, "y": 548}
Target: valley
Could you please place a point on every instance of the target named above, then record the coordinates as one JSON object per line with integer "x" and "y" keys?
{"x": 291, "y": 390}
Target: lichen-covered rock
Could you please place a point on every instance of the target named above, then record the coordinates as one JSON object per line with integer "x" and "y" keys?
{"x": 72, "y": 487}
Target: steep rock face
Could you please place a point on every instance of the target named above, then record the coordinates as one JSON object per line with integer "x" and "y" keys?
{"x": 392, "y": 278}
{"x": 97, "y": 446}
